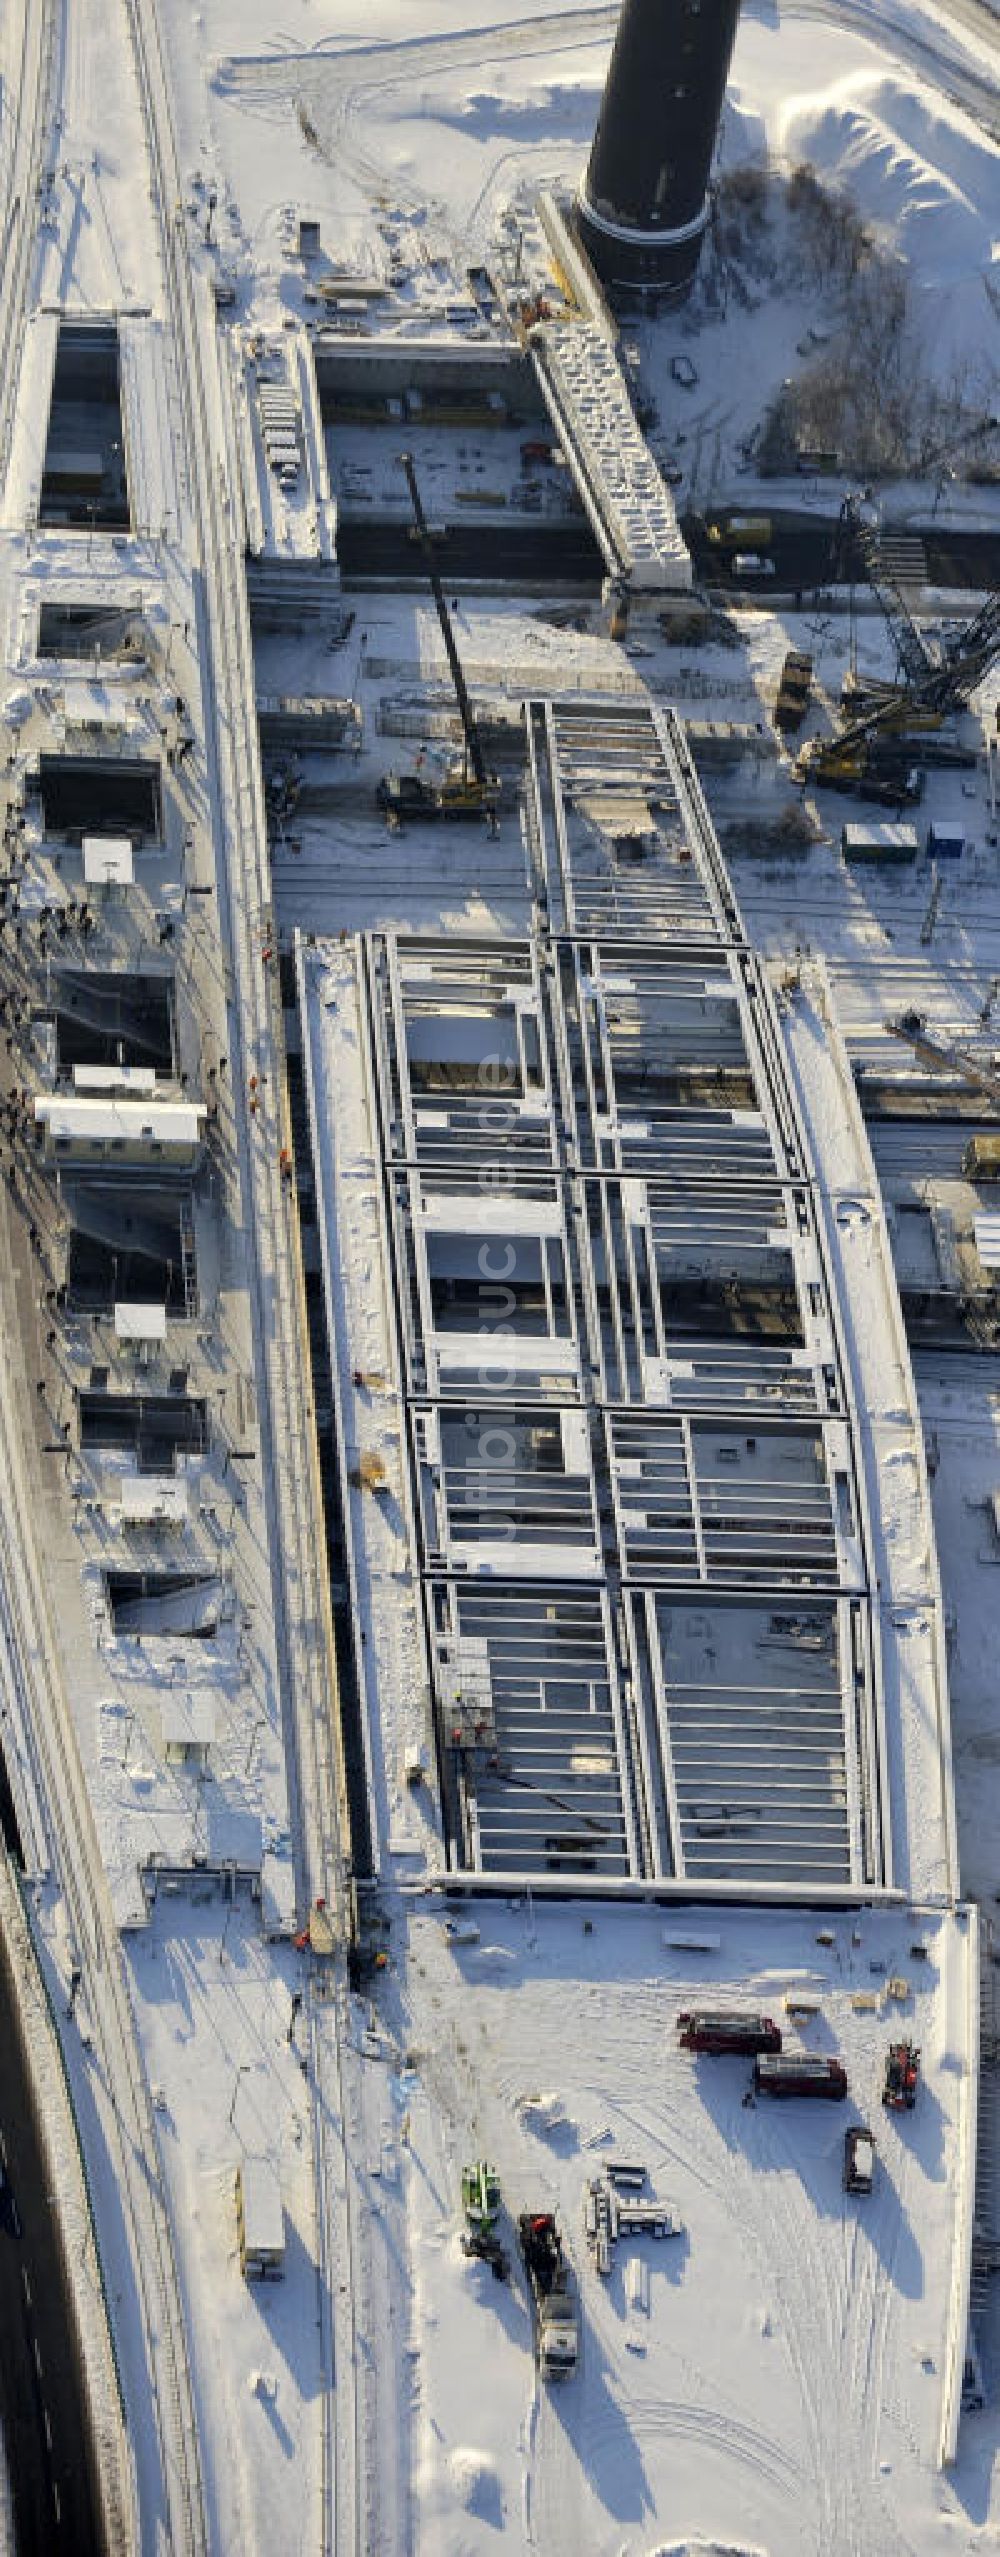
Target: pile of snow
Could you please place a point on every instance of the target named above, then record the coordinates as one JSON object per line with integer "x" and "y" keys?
{"x": 917, "y": 168}
{"x": 476, "y": 2481}
{"x": 550, "y": 111}
{"x": 546, "y": 2115}
{"x": 704, "y": 2548}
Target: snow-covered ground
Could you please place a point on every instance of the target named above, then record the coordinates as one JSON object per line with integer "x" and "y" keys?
{"x": 214, "y": 2004}
{"x": 410, "y": 144}
{"x": 782, "y": 2390}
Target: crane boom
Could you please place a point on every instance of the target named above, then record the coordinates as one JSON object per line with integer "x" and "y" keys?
{"x": 913, "y": 656}
{"x": 472, "y": 743}
{"x": 935, "y": 680}
{"x": 946, "y": 1054}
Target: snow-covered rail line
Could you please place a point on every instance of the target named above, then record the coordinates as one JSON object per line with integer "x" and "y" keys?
{"x": 33, "y": 97}
{"x": 300, "y": 1598}
{"x": 29, "y": 1649}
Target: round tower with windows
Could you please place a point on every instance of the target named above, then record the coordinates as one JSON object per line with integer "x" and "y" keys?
{"x": 643, "y": 205}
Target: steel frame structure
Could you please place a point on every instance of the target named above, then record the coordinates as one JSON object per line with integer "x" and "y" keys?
{"x": 632, "y": 1465}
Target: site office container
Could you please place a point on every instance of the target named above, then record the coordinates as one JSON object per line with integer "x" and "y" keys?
{"x": 872, "y": 841}
{"x": 800, "y": 2073}
{"x": 717, "y": 2030}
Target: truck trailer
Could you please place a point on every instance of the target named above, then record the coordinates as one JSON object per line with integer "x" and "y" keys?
{"x": 553, "y": 2294}
{"x": 727, "y": 2029}
{"x": 800, "y": 2073}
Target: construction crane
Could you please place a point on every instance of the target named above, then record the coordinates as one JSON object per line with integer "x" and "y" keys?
{"x": 468, "y": 789}
{"x": 856, "y": 533}
{"x": 945, "y": 1055}
{"x": 873, "y": 751}
{"x": 944, "y": 453}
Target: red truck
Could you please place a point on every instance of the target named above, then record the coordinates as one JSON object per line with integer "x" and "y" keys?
{"x": 800, "y": 2073}
{"x": 724, "y": 2029}
{"x": 902, "y": 2072}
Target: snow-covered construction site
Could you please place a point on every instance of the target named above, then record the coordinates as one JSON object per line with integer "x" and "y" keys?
{"x": 500, "y": 1278}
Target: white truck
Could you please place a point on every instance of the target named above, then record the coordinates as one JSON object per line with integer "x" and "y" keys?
{"x": 553, "y": 2292}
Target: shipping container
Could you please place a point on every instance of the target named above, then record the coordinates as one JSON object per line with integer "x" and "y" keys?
{"x": 872, "y": 841}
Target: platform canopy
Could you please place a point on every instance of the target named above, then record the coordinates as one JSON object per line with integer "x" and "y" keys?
{"x": 108, "y": 861}
{"x": 141, "y": 1322}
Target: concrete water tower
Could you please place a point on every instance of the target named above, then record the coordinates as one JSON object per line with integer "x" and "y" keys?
{"x": 643, "y": 205}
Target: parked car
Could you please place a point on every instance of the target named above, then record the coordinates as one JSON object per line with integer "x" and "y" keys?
{"x": 859, "y": 2159}
{"x": 683, "y": 372}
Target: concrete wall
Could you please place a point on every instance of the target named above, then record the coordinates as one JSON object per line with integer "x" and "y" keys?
{"x": 67, "y": 2194}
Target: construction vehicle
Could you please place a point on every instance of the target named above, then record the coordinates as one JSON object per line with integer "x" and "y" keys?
{"x": 800, "y": 2073}
{"x": 872, "y": 752}
{"x": 981, "y": 1159}
{"x": 944, "y": 453}
{"x": 468, "y": 789}
{"x": 719, "y": 2031}
{"x": 553, "y": 2293}
{"x": 946, "y": 1056}
{"x": 902, "y": 2072}
{"x": 741, "y": 532}
{"x": 794, "y": 688}
{"x": 481, "y": 2204}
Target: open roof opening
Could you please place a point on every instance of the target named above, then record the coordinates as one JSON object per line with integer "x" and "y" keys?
{"x": 100, "y": 795}
{"x": 113, "y": 1019}
{"x": 85, "y": 474}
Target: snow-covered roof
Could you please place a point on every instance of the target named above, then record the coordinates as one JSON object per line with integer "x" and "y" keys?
{"x": 108, "y": 861}
{"x": 629, "y": 504}
{"x": 114, "y": 1078}
{"x": 987, "y": 1231}
{"x": 71, "y": 1115}
{"x": 263, "y": 2216}
{"x": 136, "y": 1322}
{"x": 188, "y": 1720}
{"x": 154, "y": 1500}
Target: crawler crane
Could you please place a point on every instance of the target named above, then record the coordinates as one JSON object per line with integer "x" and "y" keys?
{"x": 875, "y": 751}
{"x": 468, "y": 790}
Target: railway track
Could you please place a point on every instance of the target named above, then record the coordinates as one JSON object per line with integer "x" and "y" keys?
{"x": 28, "y": 1648}
{"x": 38, "y": 1702}
{"x": 303, "y": 1630}
{"x": 32, "y": 96}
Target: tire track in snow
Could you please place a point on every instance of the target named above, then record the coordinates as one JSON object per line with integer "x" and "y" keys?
{"x": 336, "y": 102}
{"x": 841, "y": 2386}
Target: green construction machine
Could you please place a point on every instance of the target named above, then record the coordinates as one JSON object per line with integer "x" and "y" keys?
{"x": 481, "y": 2204}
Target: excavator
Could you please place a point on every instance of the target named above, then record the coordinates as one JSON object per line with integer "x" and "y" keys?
{"x": 873, "y": 752}
{"x": 468, "y": 789}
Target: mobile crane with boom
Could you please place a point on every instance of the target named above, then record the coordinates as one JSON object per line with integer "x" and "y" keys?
{"x": 468, "y": 789}
{"x": 874, "y": 750}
